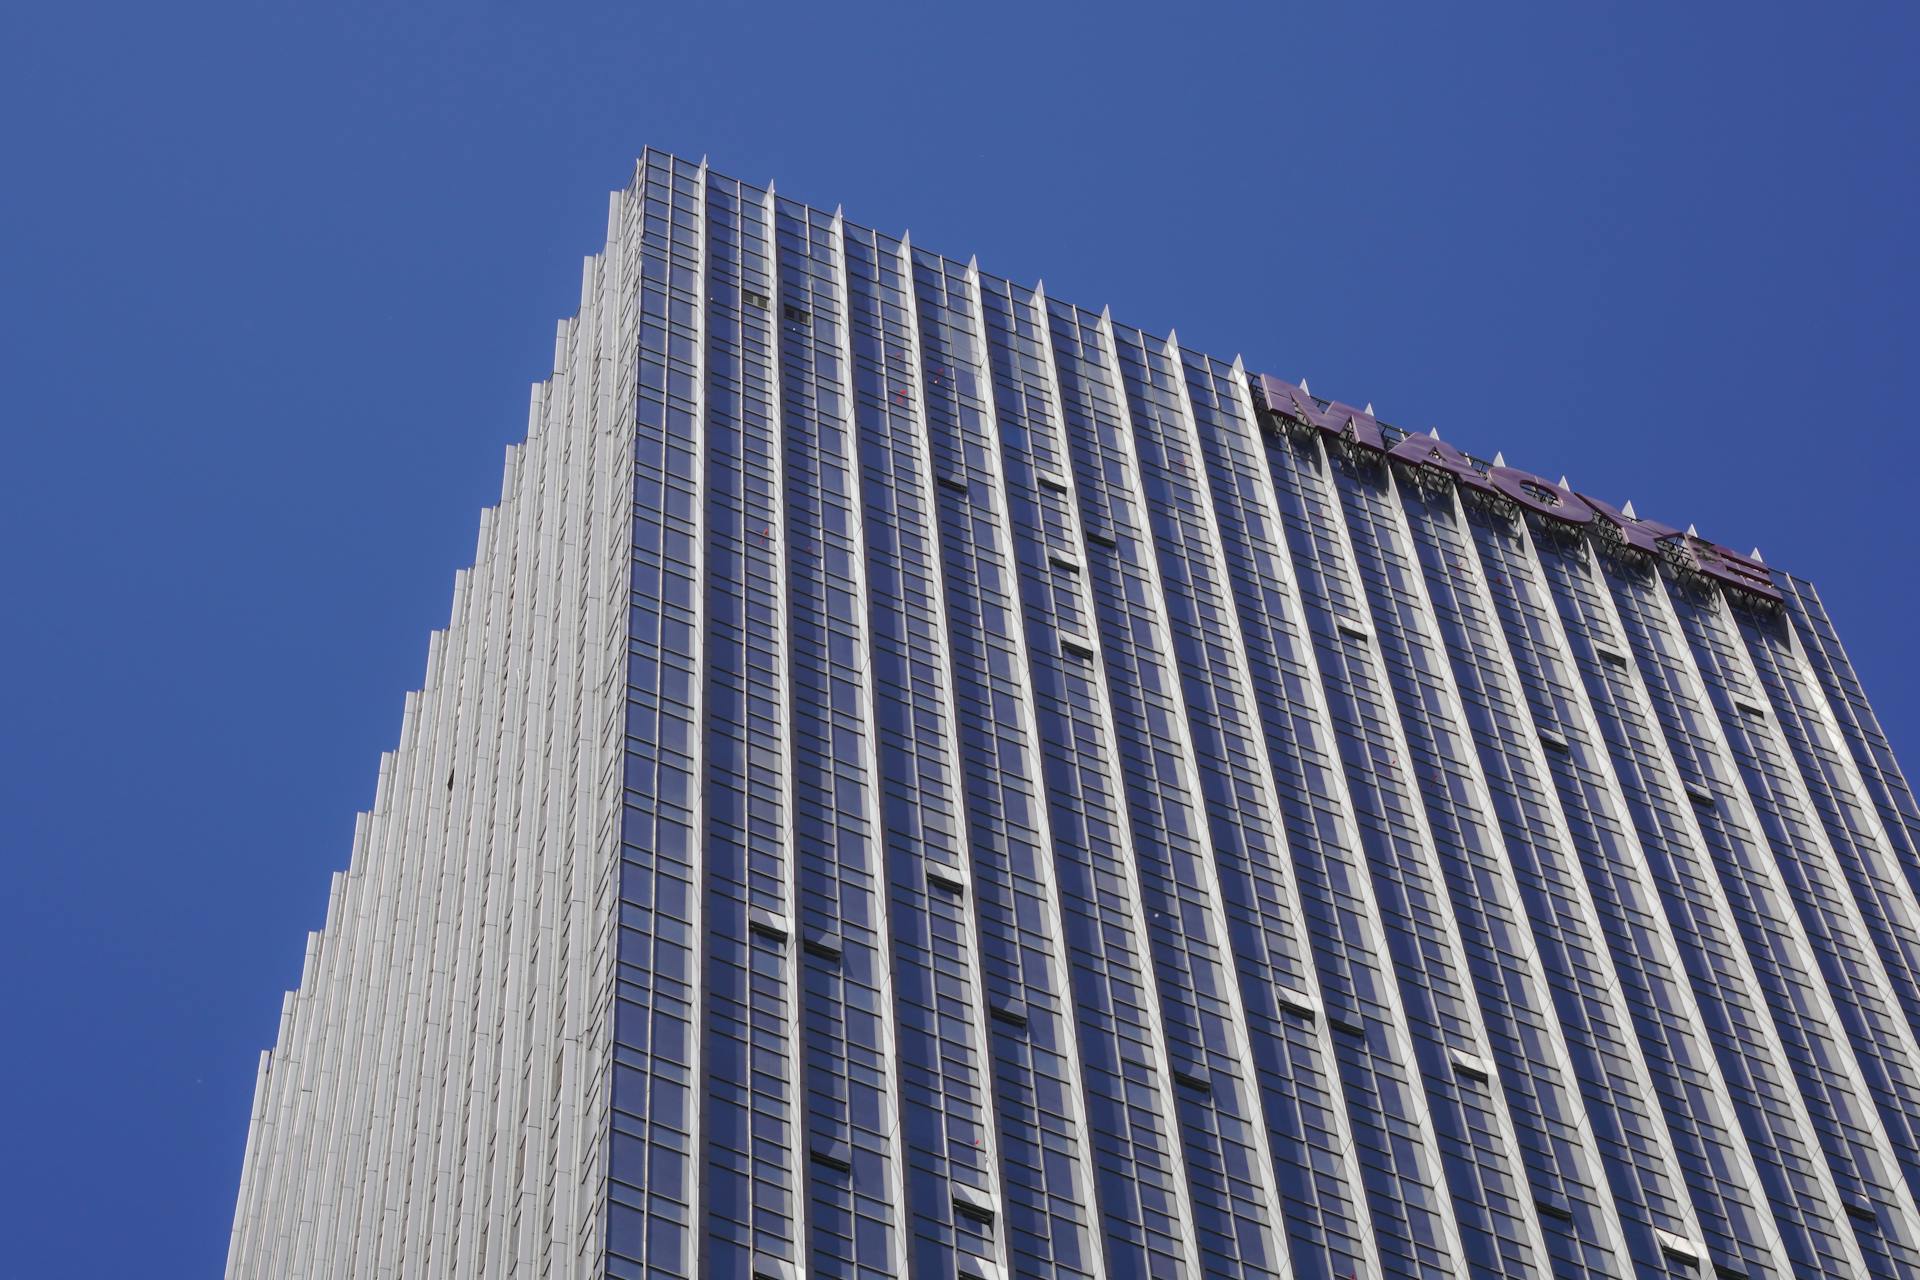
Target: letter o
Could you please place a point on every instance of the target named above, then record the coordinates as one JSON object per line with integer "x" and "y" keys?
{"x": 1541, "y": 496}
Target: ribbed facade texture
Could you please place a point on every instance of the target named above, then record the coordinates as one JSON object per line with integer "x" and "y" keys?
{"x": 925, "y": 780}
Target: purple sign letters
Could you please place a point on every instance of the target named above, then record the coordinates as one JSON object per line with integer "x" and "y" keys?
{"x": 1526, "y": 490}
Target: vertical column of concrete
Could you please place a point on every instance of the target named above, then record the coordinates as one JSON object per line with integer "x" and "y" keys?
{"x": 322, "y": 1005}
{"x": 316, "y": 1006}
{"x": 547, "y": 764}
{"x": 793, "y": 1065}
{"x": 1407, "y": 641}
{"x": 251, "y": 1167}
{"x": 605, "y": 470}
{"x": 653, "y": 1221}
{"x": 373, "y": 1106}
{"x": 551, "y": 568}
{"x": 751, "y": 1214}
{"x": 483, "y": 958}
{"x": 306, "y": 1034}
{"x": 1130, "y": 1073}
{"x": 1281, "y": 989}
{"x": 511, "y": 571}
{"x": 406, "y": 1241}
{"x": 1477, "y": 1178}
{"x": 793, "y": 969}
{"x": 1649, "y": 1189}
{"x": 1793, "y": 1180}
{"x": 1167, "y": 810}
{"x": 1830, "y": 965}
{"x": 394, "y": 1115}
{"x": 1401, "y": 1167}
{"x": 383, "y": 1219}
{"x": 851, "y": 1118}
{"x": 861, "y": 626}
{"x": 1011, "y": 889}
{"x": 494, "y": 951}
{"x": 554, "y": 698}
{"x": 943, "y": 1076}
{"x": 1871, "y": 750}
{"x": 591, "y": 844}
{"x": 544, "y": 1012}
{"x": 1855, "y": 829}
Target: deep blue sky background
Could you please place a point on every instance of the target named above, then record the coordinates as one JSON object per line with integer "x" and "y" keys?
{"x": 274, "y": 278}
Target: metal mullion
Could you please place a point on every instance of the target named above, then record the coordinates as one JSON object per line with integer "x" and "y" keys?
{"x": 1212, "y": 551}
{"x": 1002, "y": 558}
{"x": 1666, "y": 766}
{"x": 1398, "y": 1029}
{"x": 1872, "y": 750}
{"x": 794, "y": 966}
{"x": 792, "y": 972}
{"x": 870, "y": 768}
{"x": 1437, "y": 1075}
{"x": 426, "y": 853}
{"x": 1430, "y": 638}
{"x": 1165, "y": 1103}
{"x": 1211, "y": 554}
{"x": 389, "y": 917}
{"x": 1246, "y": 1082}
{"x": 1880, "y": 882}
{"x": 956, "y": 768}
{"x": 1739, "y": 791}
{"x": 1642, "y": 1080}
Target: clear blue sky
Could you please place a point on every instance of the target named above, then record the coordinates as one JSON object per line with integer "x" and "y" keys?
{"x": 274, "y": 278}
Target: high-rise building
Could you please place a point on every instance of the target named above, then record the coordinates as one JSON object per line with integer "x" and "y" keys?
{"x": 923, "y": 779}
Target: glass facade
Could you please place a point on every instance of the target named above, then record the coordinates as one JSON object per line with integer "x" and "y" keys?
{"x": 925, "y": 780}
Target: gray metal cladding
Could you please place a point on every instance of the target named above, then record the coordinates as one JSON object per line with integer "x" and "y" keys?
{"x": 925, "y": 780}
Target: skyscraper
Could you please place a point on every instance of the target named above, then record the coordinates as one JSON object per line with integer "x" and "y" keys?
{"x": 923, "y": 779}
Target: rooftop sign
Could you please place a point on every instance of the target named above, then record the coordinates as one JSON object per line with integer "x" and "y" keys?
{"x": 1358, "y": 429}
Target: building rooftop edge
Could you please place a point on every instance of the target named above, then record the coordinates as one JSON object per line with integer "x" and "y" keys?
{"x": 1038, "y": 290}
